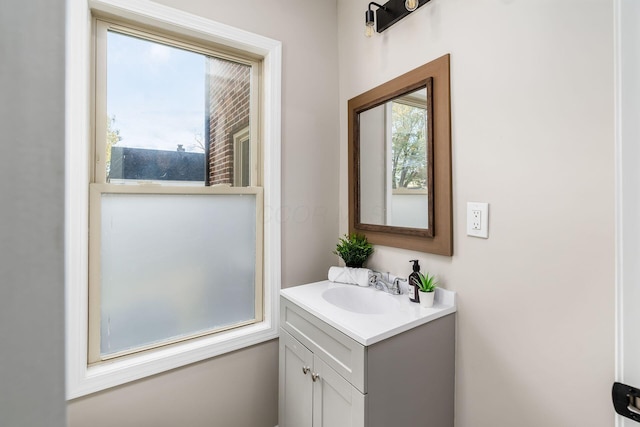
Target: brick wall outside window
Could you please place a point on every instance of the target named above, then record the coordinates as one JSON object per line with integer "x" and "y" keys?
{"x": 229, "y": 93}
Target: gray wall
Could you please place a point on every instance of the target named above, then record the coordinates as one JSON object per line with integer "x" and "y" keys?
{"x": 240, "y": 389}
{"x": 32, "y": 213}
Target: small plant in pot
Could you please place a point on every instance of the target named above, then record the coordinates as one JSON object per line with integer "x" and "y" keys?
{"x": 354, "y": 250}
{"x": 427, "y": 289}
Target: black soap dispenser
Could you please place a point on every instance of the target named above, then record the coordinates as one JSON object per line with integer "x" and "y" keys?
{"x": 414, "y": 280}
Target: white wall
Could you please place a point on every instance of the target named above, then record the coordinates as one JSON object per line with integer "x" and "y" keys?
{"x": 240, "y": 389}
{"x": 373, "y": 170}
{"x": 532, "y": 126}
{"x": 628, "y": 109}
{"x": 32, "y": 213}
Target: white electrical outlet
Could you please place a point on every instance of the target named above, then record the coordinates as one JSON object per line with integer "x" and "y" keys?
{"x": 478, "y": 219}
{"x": 476, "y": 214}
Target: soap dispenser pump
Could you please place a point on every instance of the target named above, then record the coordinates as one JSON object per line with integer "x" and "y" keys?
{"x": 414, "y": 280}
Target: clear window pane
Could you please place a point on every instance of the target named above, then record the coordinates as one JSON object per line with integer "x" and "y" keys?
{"x": 409, "y": 146}
{"x": 172, "y": 113}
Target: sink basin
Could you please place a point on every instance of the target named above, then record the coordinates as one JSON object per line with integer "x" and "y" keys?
{"x": 365, "y": 314}
{"x": 359, "y": 300}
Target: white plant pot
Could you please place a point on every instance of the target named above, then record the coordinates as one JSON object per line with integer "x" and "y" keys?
{"x": 426, "y": 298}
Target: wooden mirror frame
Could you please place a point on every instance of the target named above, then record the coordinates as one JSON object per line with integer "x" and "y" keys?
{"x": 439, "y": 238}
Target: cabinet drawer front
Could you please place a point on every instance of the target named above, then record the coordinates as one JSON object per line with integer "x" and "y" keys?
{"x": 344, "y": 355}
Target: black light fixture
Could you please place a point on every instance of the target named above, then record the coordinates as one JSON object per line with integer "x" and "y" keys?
{"x": 369, "y": 19}
{"x": 411, "y": 5}
{"x": 389, "y": 13}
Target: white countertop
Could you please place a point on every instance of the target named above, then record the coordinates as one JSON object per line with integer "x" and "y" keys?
{"x": 369, "y": 328}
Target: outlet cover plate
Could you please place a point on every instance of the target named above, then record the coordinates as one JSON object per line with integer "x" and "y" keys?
{"x": 478, "y": 219}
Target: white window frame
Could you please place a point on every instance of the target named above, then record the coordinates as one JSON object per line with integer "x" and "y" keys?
{"x": 83, "y": 379}
{"x": 239, "y": 138}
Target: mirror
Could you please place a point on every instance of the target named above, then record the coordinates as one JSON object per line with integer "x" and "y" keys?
{"x": 396, "y": 173}
{"x": 400, "y": 161}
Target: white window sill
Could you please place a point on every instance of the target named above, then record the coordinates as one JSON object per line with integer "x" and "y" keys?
{"x": 120, "y": 371}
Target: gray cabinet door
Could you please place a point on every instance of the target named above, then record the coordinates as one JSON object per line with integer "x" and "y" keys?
{"x": 336, "y": 403}
{"x": 296, "y": 391}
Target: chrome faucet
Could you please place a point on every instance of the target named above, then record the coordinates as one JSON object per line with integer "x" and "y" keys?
{"x": 392, "y": 287}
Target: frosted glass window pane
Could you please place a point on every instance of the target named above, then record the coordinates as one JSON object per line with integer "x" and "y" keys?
{"x": 174, "y": 266}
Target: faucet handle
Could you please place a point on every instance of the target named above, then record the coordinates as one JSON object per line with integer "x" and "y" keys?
{"x": 374, "y": 276}
{"x": 396, "y": 284}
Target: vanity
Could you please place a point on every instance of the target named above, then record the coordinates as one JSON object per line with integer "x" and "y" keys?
{"x": 358, "y": 357}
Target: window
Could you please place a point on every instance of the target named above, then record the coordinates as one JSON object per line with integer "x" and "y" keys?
{"x": 183, "y": 263}
{"x": 409, "y": 161}
{"x": 179, "y": 258}
{"x": 408, "y": 145}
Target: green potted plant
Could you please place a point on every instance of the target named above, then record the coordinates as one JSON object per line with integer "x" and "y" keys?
{"x": 354, "y": 250}
{"x": 427, "y": 289}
